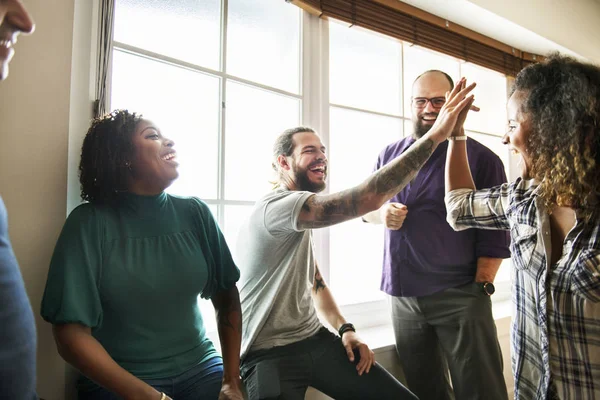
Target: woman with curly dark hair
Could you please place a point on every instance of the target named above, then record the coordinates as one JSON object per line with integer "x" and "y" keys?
{"x": 127, "y": 270}
{"x": 553, "y": 214}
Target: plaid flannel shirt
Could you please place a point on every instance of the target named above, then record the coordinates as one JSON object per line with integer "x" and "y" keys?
{"x": 555, "y": 335}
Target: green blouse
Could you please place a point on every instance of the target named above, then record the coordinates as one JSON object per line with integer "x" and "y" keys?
{"x": 133, "y": 274}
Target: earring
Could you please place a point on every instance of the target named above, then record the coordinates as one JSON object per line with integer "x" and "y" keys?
{"x": 128, "y": 165}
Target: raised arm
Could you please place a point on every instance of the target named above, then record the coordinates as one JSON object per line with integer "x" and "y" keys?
{"x": 325, "y": 210}
{"x": 465, "y": 207}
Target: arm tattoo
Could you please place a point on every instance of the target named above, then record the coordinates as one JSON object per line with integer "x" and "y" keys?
{"x": 396, "y": 175}
{"x": 319, "y": 282}
{"x": 338, "y": 207}
{"x": 228, "y": 312}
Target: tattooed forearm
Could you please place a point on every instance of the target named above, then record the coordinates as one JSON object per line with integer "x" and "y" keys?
{"x": 319, "y": 282}
{"x": 327, "y": 210}
{"x": 396, "y": 175}
{"x": 331, "y": 209}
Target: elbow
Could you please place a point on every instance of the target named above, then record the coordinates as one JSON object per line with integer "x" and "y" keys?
{"x": 66, "y": 338}
{"x": 451, "y": 219}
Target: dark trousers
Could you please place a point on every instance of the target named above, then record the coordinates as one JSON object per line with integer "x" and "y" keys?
{"x": 453, "y": 331}
{"x": 321, "y": 362}
{"x": 201, "y": 382}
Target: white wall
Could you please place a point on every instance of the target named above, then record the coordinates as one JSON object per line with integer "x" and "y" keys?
{"x": 45, "y": 110}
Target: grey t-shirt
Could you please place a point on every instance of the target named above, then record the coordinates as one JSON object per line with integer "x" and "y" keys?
{"x": 277, "y": 265}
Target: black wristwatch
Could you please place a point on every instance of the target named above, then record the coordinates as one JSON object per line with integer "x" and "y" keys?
{"x": 345, "y": 328}
{"x": 487, "y": 287}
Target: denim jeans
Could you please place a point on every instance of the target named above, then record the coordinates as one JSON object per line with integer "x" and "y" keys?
{"x": 203, "y": 382}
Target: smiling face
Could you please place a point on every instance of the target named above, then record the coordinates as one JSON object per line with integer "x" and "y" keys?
{"x": 153, "y": 165}
{"x": 519, "y": 129}
{"x": 306, "y": 168}
{"x": 14, "y": 20}
{"x": 430, "y": 88}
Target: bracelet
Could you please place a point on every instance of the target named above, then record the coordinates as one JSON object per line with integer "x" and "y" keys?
{"x": 464, "y": 137}
{"x": 163, "y": 396}
{"x": 345, "y": 328}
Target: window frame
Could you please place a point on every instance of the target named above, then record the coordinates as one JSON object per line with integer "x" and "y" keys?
{"x": 314, "y": 111}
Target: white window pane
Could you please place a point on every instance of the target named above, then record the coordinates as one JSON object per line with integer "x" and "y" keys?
{"x": 187, "y": 30}
{"x": 185, "y": 106}
{"x": 495, "y": 144}
{"x": 352, "y": 157}
{"x": 208, "y": 314}
{"x": 263, "y": 42}
{"x": 365, "y": 69}
{"x": 418, "y": 60}
{"x": 235, "y": 216}
{"x": 408, "y": 127}
{"x": 490, "y": 96}
{"x": 356, "y": 248}
{"x": 356, "y": 256}
{"x": 254, "y": 119}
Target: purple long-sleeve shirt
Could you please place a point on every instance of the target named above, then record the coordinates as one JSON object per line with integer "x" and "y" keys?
{"x": 426, "y": 255}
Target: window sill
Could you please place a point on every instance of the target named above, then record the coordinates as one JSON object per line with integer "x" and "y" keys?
{"x": 380, "y": 338}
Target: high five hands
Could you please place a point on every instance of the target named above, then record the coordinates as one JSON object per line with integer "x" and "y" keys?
{"x": 452, "y": 115}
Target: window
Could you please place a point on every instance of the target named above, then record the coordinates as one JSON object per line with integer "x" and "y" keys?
{"x": 223, "y": 78}
{"x": 370, "y": 83}
{"x": 220, "y": 78}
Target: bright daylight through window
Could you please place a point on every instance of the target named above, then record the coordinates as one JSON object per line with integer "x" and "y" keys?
{"x": 231, "y": 75}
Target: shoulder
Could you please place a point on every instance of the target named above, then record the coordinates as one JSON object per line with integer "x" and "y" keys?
{"x": 3, "y": 218}
{"x": 526, "y": 187}
{"x": 284, "y": 197}
{"x": 187, "y": 204}
{"x": 88, "y": 212}
{"x": 395, "y": 148}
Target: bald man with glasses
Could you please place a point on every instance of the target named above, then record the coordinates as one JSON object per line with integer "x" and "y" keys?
{"x": 440, "y": 281}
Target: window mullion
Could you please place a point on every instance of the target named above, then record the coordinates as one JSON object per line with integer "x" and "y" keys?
{"x": 223, "y": 115}
{"x": 315, "y": 105}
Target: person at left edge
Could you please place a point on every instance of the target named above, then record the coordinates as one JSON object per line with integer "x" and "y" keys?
{"x": 123, "y": 286}
{"x": 17, "y": 326}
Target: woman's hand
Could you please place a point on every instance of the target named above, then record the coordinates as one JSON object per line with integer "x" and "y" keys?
{"x": 448, "y": 117}
{"x": 231, "y": 390}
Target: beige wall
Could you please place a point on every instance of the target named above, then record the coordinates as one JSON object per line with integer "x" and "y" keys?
{"x": 574, "y": 24}
{"x": 45, "y": 109}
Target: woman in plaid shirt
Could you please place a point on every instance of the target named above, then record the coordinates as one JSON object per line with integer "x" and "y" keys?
{"x": 553, "y": 214}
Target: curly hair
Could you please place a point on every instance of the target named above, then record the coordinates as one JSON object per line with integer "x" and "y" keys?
{"x": 562, "y": 104}
{"x": 106, "y": 155}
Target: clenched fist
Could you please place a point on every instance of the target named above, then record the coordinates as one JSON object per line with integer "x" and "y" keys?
{"x": 393, "y": 215}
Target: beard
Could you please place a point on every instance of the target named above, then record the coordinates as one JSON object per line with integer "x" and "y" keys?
{"x": 420, "y": 129}
{"x": 303, "y": 182}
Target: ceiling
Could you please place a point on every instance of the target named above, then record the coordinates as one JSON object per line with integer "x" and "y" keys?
{"x": 478, "y": 19}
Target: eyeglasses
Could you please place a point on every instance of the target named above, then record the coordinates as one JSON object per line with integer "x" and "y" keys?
{"x": 421, "y": 102}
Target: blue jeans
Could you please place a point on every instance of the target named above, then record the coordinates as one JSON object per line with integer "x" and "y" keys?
{"x": 198, "y": 383}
